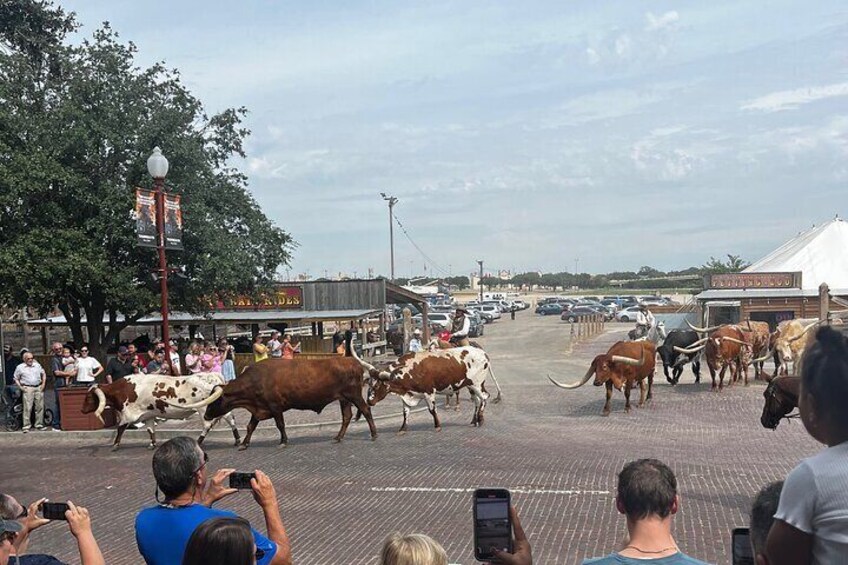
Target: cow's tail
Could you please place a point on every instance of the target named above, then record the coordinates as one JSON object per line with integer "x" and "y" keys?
{"x": 492, "y": 374}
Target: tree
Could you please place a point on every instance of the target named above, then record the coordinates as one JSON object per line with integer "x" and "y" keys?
{"x": 74, "y": 139}
{"x": 734, "y": 264}
{"x": 459, "y": 281}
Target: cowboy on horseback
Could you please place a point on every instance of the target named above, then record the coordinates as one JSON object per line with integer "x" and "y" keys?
{"x": 461, "y": 327}
{"x": 644, "y": 321}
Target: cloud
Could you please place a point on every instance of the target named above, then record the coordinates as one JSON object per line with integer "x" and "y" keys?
{"x": 665, "y": 21}
{"x": 793, "y": 99}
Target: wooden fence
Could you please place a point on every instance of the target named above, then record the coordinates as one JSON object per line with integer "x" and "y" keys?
{"x": 586, "y": 327}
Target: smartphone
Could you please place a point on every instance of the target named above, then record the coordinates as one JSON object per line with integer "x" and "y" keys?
{"x": 241, "y": 480}
{"x": 54, "y": 510}
{"x": 743, "y": 553}
{"x": 492, "y": 524}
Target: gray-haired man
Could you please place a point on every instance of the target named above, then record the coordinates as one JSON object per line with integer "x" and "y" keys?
{"x": 31, "y": 378}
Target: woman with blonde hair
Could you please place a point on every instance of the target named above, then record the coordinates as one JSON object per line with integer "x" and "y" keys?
{"x": 412, "y": 549}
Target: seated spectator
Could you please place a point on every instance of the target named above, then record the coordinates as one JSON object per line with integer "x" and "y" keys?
{"x": 762, "y": 518}
{"x": 647, "y": 495}
{"x": 811, "y": 523}
{"x": 163, "y": 531}
{"x": 21, "y": 522}
{"x": 222, "y": 541}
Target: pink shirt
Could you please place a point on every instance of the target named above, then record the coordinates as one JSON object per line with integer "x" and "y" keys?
{"x": 211, "y": 363}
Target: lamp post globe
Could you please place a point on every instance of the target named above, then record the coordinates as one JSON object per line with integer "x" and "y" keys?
{"x": 157, "y": 164}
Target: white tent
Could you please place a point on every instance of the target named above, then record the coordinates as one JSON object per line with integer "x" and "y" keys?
{"x": 821, "y": 254}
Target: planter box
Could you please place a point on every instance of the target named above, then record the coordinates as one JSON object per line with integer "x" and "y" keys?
{"x": 70, "y": 402}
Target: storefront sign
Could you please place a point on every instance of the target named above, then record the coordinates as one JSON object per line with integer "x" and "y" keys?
{"x": 281, "y": 298}
{"x": 752, "y": 280}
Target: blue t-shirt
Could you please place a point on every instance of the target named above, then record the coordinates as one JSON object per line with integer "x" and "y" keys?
{"x": 616, "y": 559}
{"x": 162, "y": 533}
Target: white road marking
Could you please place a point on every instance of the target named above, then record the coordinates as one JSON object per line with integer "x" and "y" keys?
{"x": 462, "y": 490}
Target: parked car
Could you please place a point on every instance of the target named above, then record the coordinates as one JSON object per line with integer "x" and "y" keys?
{"x": 653, "y": 301}
{"x": 436, "y": 319}
{"x": 628, "y": 314}
{"x": 476, "y": 324}
{"x": 520, "y": 304}
{"x": 550, "y": 308}
{"x": 577, "y": 311}
{"x": 611, "y": 304}
{"x": 491, "y": 309}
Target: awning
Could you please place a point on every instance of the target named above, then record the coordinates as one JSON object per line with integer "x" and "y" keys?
{"x": 231, "y": 317}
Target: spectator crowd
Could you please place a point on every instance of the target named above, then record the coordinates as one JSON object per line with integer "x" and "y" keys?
{"x": 801, "y": 520}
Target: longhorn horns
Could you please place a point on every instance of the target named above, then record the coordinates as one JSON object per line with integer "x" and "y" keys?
{"x": 578, "y": 384}
{"x": 694, "y": 348}
{"x": 702, "y": 330}
{"x": 629, "y": 360}
{"x": 803, "y": 333}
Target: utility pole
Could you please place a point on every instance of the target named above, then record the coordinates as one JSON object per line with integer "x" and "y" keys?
{"x": 392, "y": 201}
{"x": 481, "y": 280}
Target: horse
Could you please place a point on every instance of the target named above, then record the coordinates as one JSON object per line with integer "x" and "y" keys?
{"x": 781, "y": 396}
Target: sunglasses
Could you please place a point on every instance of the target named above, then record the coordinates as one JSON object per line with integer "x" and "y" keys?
{"x": 83, "y": 350}
{"x": 205, "y": 461}
{"x": 260, "y": 553}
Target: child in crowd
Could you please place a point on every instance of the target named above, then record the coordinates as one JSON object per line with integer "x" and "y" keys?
{"x": 811, "y": 523}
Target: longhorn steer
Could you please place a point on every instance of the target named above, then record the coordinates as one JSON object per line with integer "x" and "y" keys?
{"x": 143, "y": 398}
{"x": 725, "y": 348}
{"x": 789, "y": 343}
{"x": 425, "y": 374}
{"x": 675, "y": 352}
{"x": 625, "y": 364}
{"x": 270, "y": 388}
{"x": 758, "y": 334}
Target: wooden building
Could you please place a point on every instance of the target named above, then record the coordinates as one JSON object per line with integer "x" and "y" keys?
{"x": 310, "y": 304}
{"x": 784, "y": 284}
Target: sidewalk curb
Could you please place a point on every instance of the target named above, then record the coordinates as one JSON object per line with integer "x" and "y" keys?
{"x": 168, "y": 433}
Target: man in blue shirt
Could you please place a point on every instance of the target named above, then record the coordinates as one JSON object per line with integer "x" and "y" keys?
{"x": 179, "y": 467}
{"x": 647, "y": 495}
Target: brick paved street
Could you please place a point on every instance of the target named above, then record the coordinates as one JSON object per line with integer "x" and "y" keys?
{"x": 551, "y": 447}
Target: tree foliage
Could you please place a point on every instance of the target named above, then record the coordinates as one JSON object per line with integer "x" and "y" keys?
{"x": 74, "y": 139}
{"x": 734, "y": 264}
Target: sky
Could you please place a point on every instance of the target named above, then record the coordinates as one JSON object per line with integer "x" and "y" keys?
{"x": 535, "y": 135}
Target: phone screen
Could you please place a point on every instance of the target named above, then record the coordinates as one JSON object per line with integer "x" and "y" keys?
{"x": 743, "y": 553}
{"x": 54, "y": 510}
{"x": 241, "y": 480}
{"x": 492, "y": 525}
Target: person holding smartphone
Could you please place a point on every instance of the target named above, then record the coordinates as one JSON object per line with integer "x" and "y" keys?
{"x": 21, "y": 522}
{"x": 188, "y": 492}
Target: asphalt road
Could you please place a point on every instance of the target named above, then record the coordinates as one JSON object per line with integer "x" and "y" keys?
{"x": 550, "y": 447}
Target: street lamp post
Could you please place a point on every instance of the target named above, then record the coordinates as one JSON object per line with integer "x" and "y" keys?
{"x": 481, "y": 280}
{"x": 392, "y": 201}
{"x": 157, "y": 166}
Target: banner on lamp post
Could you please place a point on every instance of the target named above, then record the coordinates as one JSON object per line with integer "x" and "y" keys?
{"x": 173, "y": 223}
{"x": 145, "y": 217}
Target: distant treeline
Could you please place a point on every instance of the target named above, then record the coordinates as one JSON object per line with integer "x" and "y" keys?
{"x": 645, "y": 278}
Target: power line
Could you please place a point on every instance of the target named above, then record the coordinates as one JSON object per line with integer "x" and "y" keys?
{"x": 415, "y": 245}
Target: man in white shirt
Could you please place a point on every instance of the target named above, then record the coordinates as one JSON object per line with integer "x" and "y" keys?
{"x": 275, "y": 348}
{"x": 644, "y": 321}
{"x": 31, "y": 378}
{"x": 175, "y": 359}
{"x": 88, "y": 368}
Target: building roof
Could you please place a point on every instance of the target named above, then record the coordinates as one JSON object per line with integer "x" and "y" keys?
{"x": 236, "y": 317}
{"x": 819, "y": 253}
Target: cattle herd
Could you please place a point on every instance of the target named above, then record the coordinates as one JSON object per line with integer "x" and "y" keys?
{"x": 728, "y": 347}
{"x": 268, "y": 389}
